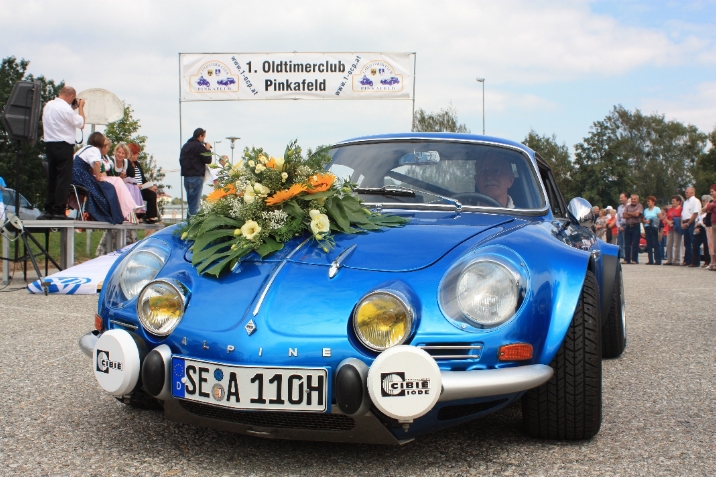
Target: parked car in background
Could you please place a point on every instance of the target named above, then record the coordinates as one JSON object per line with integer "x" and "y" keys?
{"x": 495, "y": 291}
{"x": 27, "y": 210}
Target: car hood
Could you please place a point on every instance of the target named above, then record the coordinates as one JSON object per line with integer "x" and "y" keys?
{"x": 423, "y": 241}
{"x": 271, "y": 284}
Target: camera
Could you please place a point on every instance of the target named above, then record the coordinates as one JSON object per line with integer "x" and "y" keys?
{"x": 75, "y": 103}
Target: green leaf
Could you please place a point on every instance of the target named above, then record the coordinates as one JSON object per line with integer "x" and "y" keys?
{"x": 269, "y": 246}
{"x": 205, "y": 239}
{"x": 293, "y": 209}
{"x": 388, "y": 220}
{"x": 318, "y": 195}
{"x": 202, "y": 255}
{"x": 335, "y": 210}
{"x": 216, "y": 221}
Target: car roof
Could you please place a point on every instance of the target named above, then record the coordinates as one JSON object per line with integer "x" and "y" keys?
{"x": 436, "y": 136}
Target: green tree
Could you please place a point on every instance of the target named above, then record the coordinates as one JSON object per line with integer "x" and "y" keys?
{"x": 33, "y": 179}
{"x": 631, "y": 152}
{"x": 127, "y": 130}
{"x": 444, "y": 120}
{"x": 558, "y": 158}
{"x": 705, "y": 170}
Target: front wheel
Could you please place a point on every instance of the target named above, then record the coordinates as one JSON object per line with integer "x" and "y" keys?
{"x": 614, "y": 333}
{"x": 569, "y": 405}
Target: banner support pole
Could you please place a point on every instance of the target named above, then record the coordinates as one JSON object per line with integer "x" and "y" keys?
{"x": 415, "y": 60}
{"x": 181, "y": 186}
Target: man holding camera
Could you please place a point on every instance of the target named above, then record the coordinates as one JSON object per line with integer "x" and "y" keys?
{"x": 61, "y": 117}
{"x": 193, "y": 161}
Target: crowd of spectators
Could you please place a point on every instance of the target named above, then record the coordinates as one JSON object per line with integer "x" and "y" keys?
{"x": 679, "y": 233}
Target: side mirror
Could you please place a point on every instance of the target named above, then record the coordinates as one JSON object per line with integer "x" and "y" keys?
{"x": 580, "y": 212}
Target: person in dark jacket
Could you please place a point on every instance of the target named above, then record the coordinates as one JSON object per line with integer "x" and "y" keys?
{"x": 193, "y": 163}
{"x": 134, "y": 169}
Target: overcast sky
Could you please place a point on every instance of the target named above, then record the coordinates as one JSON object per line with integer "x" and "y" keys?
{"x": 555, "y": 67}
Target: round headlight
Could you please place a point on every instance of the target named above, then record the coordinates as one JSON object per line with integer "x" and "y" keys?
{"x": 139, "y": 270}
{"x": 487, "y": 293}
{"x": 160, "y": 306}
{"x": 382, "y": 320}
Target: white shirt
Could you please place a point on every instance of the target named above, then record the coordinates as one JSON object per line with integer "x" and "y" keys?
{"x": 60, "y": 121}
{"x": 691, "y": 206}
{"x": 90, "y": 155}
{"x": 210, "y": 175}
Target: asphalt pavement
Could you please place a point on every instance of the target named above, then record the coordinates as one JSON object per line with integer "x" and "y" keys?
{"x": 658, "y": 417}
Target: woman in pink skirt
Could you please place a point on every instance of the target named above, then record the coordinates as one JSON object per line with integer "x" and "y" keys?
{"x": 126, "y": 202}
{"x": 119, "y": 169}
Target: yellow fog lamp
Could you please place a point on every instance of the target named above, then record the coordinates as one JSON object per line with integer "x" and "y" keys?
{"x": 160, "y": 306}
{"x": 382, "y": 320}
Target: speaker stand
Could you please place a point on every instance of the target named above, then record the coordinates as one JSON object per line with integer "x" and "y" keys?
{"x": 27, "y": 253}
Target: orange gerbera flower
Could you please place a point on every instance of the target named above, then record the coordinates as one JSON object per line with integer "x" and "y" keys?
{"x": 320, "y": 182}
{"x": 271, "y": 164}
{"x": 220, "y": 193}
{"x": 285, "y": 194}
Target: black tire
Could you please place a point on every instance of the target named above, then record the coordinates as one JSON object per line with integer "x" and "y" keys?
{"x": 569, "y": 405}
{"x": 614, "y": 337}
{"x": 141, "y": 400}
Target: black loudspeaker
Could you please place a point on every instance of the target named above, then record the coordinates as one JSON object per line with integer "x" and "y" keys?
{"x": 21, "y": 115}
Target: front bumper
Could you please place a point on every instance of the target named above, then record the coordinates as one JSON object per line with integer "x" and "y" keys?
{"x": 457, "y": 386}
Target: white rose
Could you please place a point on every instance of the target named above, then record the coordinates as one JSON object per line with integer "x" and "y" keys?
{"x": 261, "y": 190}
{"x": 249, "y": 195}
{"x": 284, "y": 176}
{"x": 320, "y": 225}
{"x": 252, "y": 164}
{"x": 260, "y": 167}
{"x": 250, "y": 229}
{"x": 263, "y": 159}
{"x": 279, "y": 163}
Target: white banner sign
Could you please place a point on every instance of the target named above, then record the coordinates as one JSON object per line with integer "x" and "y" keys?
{"x": 244, "y": 76}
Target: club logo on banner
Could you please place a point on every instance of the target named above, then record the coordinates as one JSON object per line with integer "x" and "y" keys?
{"x": 213, "y": 76}
{"x": 207, "y": 77}
{"x": 377, "y": 76}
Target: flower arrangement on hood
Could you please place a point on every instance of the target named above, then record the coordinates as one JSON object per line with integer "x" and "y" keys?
{"x": 263, "y": 201}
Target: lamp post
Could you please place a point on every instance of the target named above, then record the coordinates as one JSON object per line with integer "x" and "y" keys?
{"x": 482, "y": 80}
{"x": 232, "y": 139}
{"x": 215, "y": 143}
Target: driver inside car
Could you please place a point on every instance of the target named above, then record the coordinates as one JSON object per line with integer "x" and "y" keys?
{"x": 493, "y": 177}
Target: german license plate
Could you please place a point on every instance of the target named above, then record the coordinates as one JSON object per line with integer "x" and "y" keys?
{"x": 249, "y": 387}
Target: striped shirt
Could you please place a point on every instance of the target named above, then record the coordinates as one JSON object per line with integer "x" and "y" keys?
{"x": 138, "y": 174}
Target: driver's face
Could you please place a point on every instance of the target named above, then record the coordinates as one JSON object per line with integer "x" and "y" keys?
{"x": 493, "y": 176}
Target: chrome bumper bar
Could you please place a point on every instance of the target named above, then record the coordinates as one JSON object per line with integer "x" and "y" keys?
{"x": 87, "y": 342}
{"x": 492, "y": 382}
{"x": 456, "y": 384}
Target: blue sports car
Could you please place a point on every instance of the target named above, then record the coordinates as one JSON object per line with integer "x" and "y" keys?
{"x": 495, "y": 291}
{"x": 390, "y": 81}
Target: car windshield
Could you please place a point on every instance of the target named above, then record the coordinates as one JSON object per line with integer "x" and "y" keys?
{"x": 433, "y": 172}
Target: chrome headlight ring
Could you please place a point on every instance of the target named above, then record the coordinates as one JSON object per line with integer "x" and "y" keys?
{"x": 484, "y": 290}
{"x": 408, "y": 325}
{"x": 161, "y": 305}
{"x": 139, "y": 267}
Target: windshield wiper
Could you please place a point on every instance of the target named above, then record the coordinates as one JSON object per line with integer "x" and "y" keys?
{"x": 405, "y": 192}
{"x": 385, "y": 191}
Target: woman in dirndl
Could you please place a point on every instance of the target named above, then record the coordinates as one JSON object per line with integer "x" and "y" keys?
{"x": 102, "y": 202}
{"x": 120, "y": 164}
